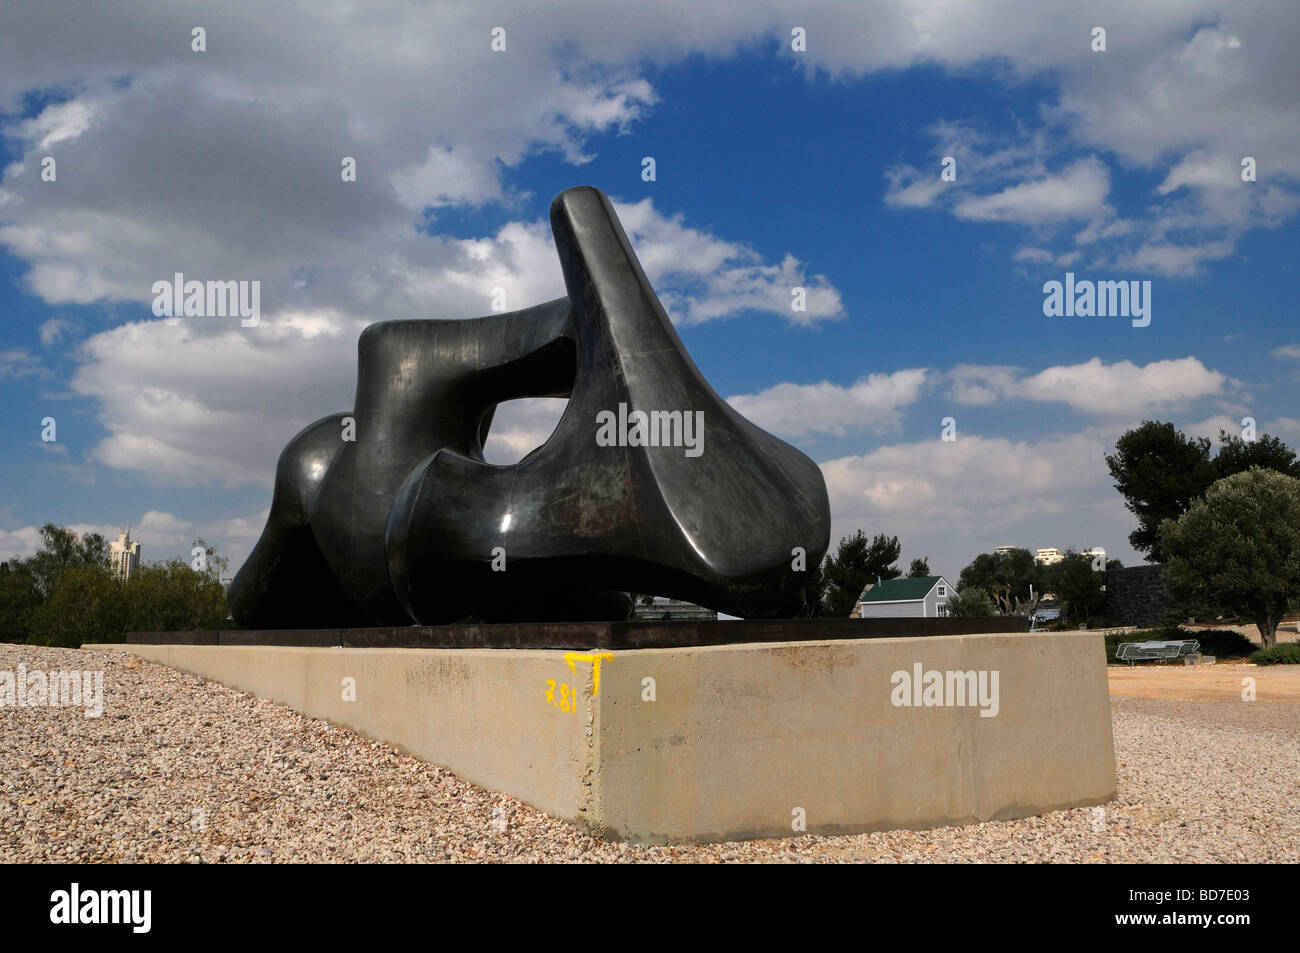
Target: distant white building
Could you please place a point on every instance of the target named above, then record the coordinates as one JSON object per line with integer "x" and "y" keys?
{"x": 1049, "y": 555}
{"x": 923, "y": 597}
{"x": 1000, "y": 550}
{"x": 124, "y": 556}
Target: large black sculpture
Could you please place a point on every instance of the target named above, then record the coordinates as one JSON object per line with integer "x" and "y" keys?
{"x": 650, "y": 483}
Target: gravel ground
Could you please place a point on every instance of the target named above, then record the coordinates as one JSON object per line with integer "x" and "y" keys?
{"x": 183, "y": 770}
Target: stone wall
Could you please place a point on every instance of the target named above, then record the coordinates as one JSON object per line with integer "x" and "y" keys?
{"x": 1136, "y": 595}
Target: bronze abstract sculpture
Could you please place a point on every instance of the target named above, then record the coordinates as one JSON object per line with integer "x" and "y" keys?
{"x": 650, "y": 483}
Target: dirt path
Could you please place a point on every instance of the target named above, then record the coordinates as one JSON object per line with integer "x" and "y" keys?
{"x": 1278, "y": 683}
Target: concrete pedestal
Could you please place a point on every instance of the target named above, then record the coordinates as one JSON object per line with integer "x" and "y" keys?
{"x": 723, "y": 742}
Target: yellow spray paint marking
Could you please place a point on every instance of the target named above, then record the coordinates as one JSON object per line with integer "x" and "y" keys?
{"x": 595, "y": 659}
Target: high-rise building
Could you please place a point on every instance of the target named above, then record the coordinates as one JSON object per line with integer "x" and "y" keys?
{"x": 124, "y": 555}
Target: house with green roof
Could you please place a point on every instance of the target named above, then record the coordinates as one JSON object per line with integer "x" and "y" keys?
{"x": 923, "y": 597}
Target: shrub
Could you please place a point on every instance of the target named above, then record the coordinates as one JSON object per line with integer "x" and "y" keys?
{"x": 1288, "y": 654}
{"x": 970, "y": 602}
{"x": 87, "y": 605}
{"x": 1114, "y": 640}
{"x": 1221, "y": 643}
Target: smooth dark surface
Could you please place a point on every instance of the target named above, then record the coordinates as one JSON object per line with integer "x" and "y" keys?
{"x": 403, "y": 523}
{"x": 592, "y": 635}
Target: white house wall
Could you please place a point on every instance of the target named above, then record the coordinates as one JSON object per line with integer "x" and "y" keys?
{"x": 894, "y": 610}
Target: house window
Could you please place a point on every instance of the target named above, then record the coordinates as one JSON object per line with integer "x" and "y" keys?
{"x": 940, "y": 590}
{"x": 941, "y": 609}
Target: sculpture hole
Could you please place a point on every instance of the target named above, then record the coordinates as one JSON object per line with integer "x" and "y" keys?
{"x": 521, "y": 426}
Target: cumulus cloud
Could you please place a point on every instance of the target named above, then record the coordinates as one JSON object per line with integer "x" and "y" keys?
{"x": 519, "y": 426}
{"x": 872, "y": 404}
{"x": 1078, "y": 191}
{"x": 1187, "y": 91}
{"x": 1094, "y": 387}
{"x": 184, "y": 403}
{"x": 54, "y": 330}
{"x": 963, "y": 497}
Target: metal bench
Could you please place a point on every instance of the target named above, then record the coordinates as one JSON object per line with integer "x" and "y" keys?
{"x": 1146, "y": 651}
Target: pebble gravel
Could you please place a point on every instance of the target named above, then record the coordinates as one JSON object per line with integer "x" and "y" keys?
{"x": 182, "y": 770}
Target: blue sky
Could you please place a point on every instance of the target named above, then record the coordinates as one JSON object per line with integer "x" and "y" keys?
{"x": 775, "y": 168}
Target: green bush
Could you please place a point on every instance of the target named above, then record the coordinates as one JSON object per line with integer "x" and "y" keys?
{"x": 1114, "y": 640}
{"x": 1221, "y": 643}
{"x": 970, "y": 602}
{"x": 1288, "y": 654}
{"x": 169, "y": 597}
{"x": 87, "y": 605}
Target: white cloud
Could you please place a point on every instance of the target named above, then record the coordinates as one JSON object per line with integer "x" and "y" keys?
{"x": 1180, "y": 260}
{"x": 17, "y": 363}
{"x": 1211, "y": 426}
{"x": 872, "y": 404}
{"x": 193, "y": 404}
{"x": 702, "y": 278}
{"x": 519, "y": 426}
{"x": 954, "y": 499}
{"x": 20, "y": 542}
{"x": 159, "y": 522}
{"x": 448, "y": 176}
{"x": 1079, "y": 191}
{"x": 1286, "y": 429}
{"x": 1037, "y": 256}
{"x": 1287, "y": 350}
{"x": 1124, "y": 387}
{"x": 982, "y": 384}
{"x": 913, "y": 188}
{"x": 1185, "y": 90}
{"x": 53, "y": 330}
{"x": 1093, "y": 387}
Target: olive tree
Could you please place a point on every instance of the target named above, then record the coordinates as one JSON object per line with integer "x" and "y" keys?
{"x": 1239, "y": 547}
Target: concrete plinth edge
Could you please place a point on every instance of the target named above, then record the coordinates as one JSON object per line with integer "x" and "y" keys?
{"x": 727, "y": 742}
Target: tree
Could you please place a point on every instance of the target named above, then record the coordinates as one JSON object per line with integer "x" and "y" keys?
{"x": 18, "y": 597}
{"x": 1014, "y": 579}
{"x": 60, "y": 550}
{"x": 87, "y": 605}
{"x": 171, "y": 596}
{"x": 855, "y": 563}
{"x": 919, "y": 567}
{"x": 969, "y": 602}
{"x": 1159, "y": 472}
{"x": 1239, "y": 548}
{"x": 66, "y": 594}
{"x": 213, "y": 566}
{"x": 1078, "y": 587}
{"x": 1237, "y": 455}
